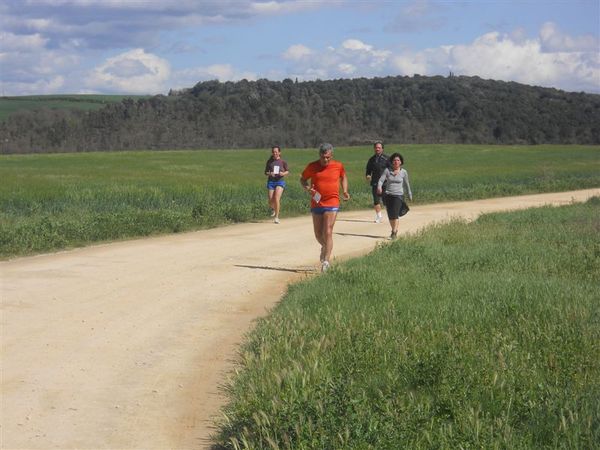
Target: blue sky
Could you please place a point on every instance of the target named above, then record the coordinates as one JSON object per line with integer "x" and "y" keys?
{"x": 152, "y": 46}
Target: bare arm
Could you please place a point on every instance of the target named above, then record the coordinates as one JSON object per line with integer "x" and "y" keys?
{"x": 345, "y": 187}
{"x": 305, "y": 185}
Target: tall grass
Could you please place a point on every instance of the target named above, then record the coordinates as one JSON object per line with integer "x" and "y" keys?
{"x": 481, "y": 335}
{"x": 50, "y": 202}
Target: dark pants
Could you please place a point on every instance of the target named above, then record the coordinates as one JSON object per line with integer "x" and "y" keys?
{"x": 377, "y": 199}
{"x": 396, "y": 206}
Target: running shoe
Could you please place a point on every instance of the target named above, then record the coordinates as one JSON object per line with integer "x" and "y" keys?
{"x": 272, "y": 213}
{"x": 378, "y": 218}
{"x": 276, "y": 220}
{"x": 324, "y": 266}
{"x": 394, "y": 235}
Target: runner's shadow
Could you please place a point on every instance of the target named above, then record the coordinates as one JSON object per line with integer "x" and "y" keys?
{"x": 372, "y": 236}
{"x": 282, "y": 269}
{"x": 354, "y": 220}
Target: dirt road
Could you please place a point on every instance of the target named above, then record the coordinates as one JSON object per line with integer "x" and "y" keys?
{"x": 123, "y": 346}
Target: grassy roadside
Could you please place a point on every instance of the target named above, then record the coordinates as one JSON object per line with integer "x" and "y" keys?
{"x": 57, "y": 201}
{"x": 480, "y": 335}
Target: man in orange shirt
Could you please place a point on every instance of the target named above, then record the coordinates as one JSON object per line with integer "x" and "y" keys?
{"x": 325, "y": 175}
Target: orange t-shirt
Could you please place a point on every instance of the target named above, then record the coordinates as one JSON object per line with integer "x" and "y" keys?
{"x": 326, "y": 181}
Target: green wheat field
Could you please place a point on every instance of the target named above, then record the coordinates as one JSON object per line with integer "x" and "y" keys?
{"x": 83, "y": 102}
{"x": 57, "y": 201}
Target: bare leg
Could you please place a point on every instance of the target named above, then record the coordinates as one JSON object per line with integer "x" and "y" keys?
{"x": 317, "y": 227}
{"x": 318, "y": 221}
{"x": 378, "y": 215}
{"x": 376, "y": 206}
{"x": 327, "y": 233}
{"x": 277, "y": 199}
{"x": 271, "y": 195}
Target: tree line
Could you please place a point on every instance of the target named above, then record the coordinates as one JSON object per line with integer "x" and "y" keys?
{"x": 256, "y": 114}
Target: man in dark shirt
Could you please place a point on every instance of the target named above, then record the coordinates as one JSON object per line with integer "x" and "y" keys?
{"x": 375, "y": 167}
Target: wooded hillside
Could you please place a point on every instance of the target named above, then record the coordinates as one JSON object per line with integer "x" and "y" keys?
{"x": 256, "y": 114}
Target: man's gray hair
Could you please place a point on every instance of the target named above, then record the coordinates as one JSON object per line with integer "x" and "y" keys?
{"x": 325, "y": 147}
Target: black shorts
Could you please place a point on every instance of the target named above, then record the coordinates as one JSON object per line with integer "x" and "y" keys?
{"x": 396, "y": 207}
{"x": 377, "y": 199}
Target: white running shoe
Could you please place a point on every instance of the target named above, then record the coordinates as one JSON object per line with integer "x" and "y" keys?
{"x": 324, "y": 266}
{"x": 378, "y": 218}
{"x": 272, "y": 213}
{"x": 276, "y": 220}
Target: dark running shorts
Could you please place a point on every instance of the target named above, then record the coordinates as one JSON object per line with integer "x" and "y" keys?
{"x": 396, "y": 206}
{"x": 377, "y": 199}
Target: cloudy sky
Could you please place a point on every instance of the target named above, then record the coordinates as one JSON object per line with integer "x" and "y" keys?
{"x": 152, "y": 46}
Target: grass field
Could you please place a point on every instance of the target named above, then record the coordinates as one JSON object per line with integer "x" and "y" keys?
{"x": 56, "y": 201}
{"x": 85, "y": 102}
{"x": 483, "y": 335}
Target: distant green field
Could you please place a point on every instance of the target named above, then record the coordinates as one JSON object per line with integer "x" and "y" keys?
{"x": 10, "y": 105}
{"x": 55, "y": 201}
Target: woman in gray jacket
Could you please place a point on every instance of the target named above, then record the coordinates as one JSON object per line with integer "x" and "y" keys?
{"x": 396, "y": 187}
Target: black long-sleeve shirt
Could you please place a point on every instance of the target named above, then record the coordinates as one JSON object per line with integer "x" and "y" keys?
{"x": 375, "y": 167}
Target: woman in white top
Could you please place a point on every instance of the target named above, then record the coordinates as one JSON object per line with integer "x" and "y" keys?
{"x": 396, "y": 186}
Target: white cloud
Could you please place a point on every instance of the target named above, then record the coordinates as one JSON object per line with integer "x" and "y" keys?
{"x": 21, "y": 43}
{"x": 29, "y": 68}
{"x": 494, "y": 56}
{"x": 133, "y": 72}
{"x": 554, "y": 40}
{"x": 352, "y": 58}
{"x": 408, "y": 64}
{"x": 499, "y": 57}
{"x": 362, "y": 53}
{"x": 504, "y": 57}
{"x": 297, "y": 52}
{"x": 223, "y": 72}
{"x": 285, "y": 7}
{"x": 347, "y": 69}
{"x": 518, "y": 35}
{"x": 355, "y": 44}
{"x": 508, "y": 57}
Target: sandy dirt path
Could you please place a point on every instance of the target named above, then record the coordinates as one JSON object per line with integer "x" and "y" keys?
{"x": 124, "y": 345}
